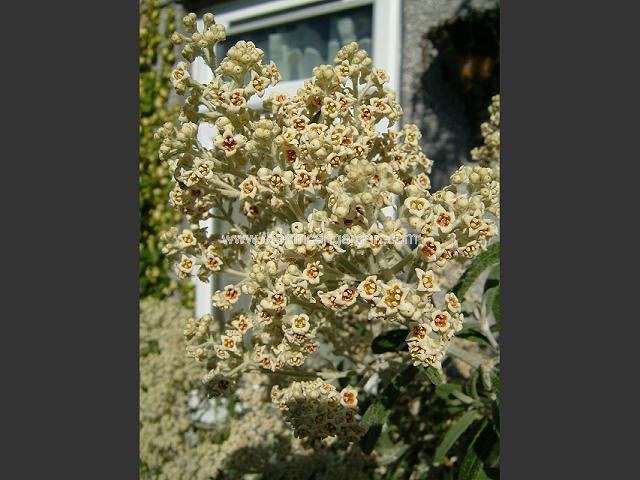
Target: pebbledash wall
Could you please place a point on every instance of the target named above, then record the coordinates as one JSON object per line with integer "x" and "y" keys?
{"x": 442, "y": 55}
{"x": 450, "y": 71}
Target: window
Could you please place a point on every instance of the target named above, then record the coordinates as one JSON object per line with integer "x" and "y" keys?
{"x": 298, "y": 46}
{"x": 300, "y": 34}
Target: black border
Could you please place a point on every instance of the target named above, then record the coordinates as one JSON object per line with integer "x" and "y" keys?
{"x": 70, "y": 242}
{"x": 568, "y": 341}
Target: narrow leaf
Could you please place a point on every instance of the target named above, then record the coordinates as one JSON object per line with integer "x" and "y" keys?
{"x": 493, "y": 279}
{"x": 379, "y": 410}
{"x": 495, "y": 307}
{"x": 446, "y": 389}
{"x": 489, "y": 257}
{"x": 434, "y": 375}
{"x": 473, "y": 335}
{"x": 495, "y": 382}
{"x": 492, "y": 301}
{"x": 453, "y": 434}
{"x": 473, "y": 465}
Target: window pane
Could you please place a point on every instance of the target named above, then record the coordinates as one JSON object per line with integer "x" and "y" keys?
{"x": 297, "y": 47}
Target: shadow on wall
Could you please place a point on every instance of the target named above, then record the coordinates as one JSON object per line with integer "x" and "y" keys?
{"x": 462, "y": 74}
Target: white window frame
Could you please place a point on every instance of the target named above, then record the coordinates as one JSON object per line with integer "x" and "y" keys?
{"x": 386, "y": 45}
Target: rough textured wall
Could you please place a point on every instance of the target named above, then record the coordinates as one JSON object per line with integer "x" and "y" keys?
{"x": 427, "y": 95}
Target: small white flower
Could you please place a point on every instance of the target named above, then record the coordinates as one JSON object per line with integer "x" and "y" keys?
{"x": 394, "y": 295}
{"x": 374, "y": 239}
{"x": 229, "y": 142}
{"x": 186, "y": 239}
{"x": 419, "y": 331}
{"x": 329, "y": 299}
{"x": 300, "y": 324}
{"x": 242, "y": 323}
{"x": 276, "y": 299}
{"x": 230, "y": 342}
{"x": 186, "y": 263}
{"x": 249, "y": 187}
{"x": 380, "y": 76}
{"x": 329, "y": 250}
{"x": 370, "y": 288}
{"x": 235, "y": 101}
{"x": 453, "y": 304}
{"x": 417, "y": 206}
{"x": 349, "y": 397}
{"x": 346, "y": 296}
{"x": 231, "y": 293}
{"x": 203, "y": 168}
{"x": 213, "y": 262}
{"x": 444, "y": 219}
{"x": 258, "y": 84}
{"x": 441, "y": 321}
{"x": 431, "y": 249}
{"x": 304, "y": 180}
{"x": 426, "y": 281}
{"x": 313, "y": 272}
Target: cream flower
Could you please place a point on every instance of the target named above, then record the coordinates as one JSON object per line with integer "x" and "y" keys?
{"x": 453, "y": 304}
{"x": 440, "y": 321}
{"x": 428, "y": 353}
{"x": 276, "y": 178}
{"x": 231, "y": 293}
{"x": 235, "y": 100}
{"x": 430, "y": 249}
{"x": 444, "y": 219}
{"x": 329, "y": 299}
{"x": 186, "y": 239}
{"x": 276, "y": 299}
{"x": 249, "y": 187}
{"x": 230, "y": 342}
{"x": 346, "y": 296}
{"x": 374, "y": 239}
{"x": 417, "y": 206}
{"x": 419, "y": 331}
{"x": 300, "y": 323}
{"x": 304, "y": 180}
{"x": 258, "y": 84}
{"x": 242, "y": 323}
{"x": 426, "y": 281}
{"x": 186, "y": 263}
{"x": 313, "y": 272}
{"x": 349, "y": 397}
{"x": 203, "y": 168}
{"x": 394, "y": 295}
{"x": 229, "y": 142}
{"x": 370, "y": 288}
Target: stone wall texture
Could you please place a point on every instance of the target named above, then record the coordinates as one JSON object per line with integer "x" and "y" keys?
{"x": 427, "y": 99}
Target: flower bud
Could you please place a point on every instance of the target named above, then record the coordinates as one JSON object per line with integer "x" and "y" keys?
{"x": 189, "y": 130}
{"x": 396, "y": 187}
{"x": 210, "y": 37}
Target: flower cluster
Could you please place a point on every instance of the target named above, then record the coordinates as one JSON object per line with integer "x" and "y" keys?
{"x": 254, "y": 440}
{"x": 329, "y": 162}
{"x": 316, "y": 410}
{"x": 489, "y": 153}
